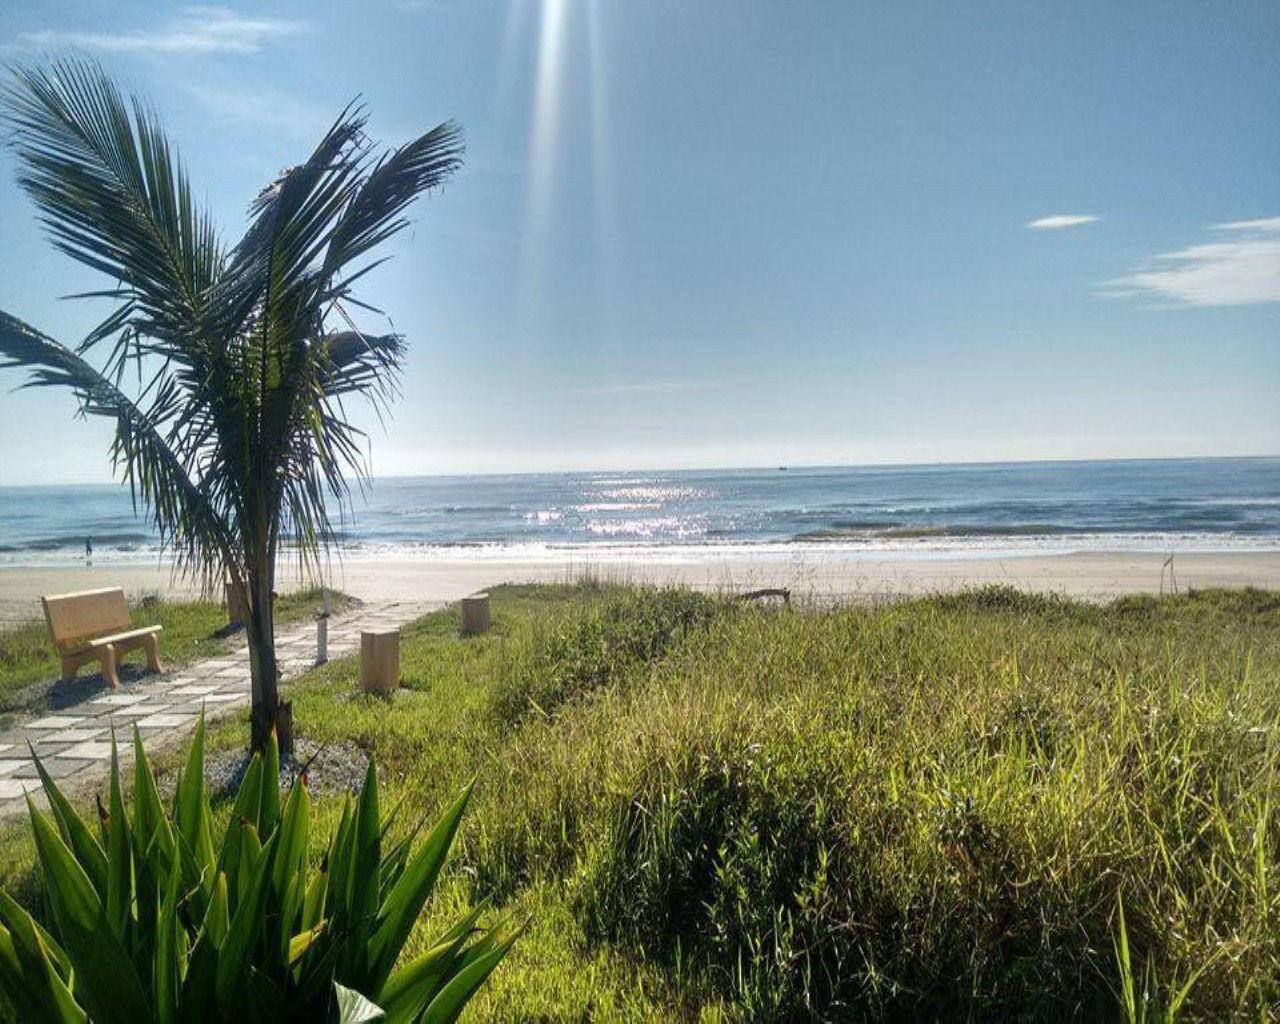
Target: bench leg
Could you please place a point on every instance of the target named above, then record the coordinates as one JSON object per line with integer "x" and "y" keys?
{"x": 153, "y": 654}
{"x": 108, "y": 660}
{"x": 68, "y": 671}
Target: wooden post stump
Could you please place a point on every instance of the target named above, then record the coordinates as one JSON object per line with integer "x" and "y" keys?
{"x": 379, "y": 660}
{"x": 475, "y": 614}
{"x": 322, "y": 639}
{"x": 237, "y": 604}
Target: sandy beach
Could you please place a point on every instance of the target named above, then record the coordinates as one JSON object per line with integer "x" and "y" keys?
{"x": 1092, "y": 576}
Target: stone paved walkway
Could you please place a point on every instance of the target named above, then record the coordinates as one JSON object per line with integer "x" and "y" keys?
{"x": 74, "y": 742}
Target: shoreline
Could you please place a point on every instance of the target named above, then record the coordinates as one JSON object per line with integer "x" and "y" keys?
{"x": 1094, "y": 575}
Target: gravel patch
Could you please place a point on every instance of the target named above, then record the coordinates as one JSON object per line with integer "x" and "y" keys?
{"x": 333, "y": 768}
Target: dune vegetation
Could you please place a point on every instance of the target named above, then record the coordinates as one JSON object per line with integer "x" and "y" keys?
{"x": 986, "y": 804}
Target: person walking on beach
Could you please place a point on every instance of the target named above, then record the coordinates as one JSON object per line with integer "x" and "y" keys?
{"x": 88, "y": 551}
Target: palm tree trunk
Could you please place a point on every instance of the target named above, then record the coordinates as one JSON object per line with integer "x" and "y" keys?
{"x": 268, "y": 715}
{"x": 263, "y": 671}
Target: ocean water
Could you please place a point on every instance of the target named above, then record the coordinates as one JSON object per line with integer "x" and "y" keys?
{"x": 898, "y": 511}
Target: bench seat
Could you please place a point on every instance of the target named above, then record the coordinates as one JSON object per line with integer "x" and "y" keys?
{"x": 117, "y": 638}
{"x": 94, "y": 626}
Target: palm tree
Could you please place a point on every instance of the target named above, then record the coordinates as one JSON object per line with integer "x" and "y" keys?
{"x": 234, "y": 433}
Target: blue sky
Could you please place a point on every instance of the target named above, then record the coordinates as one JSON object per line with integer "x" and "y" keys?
{"x": 738, "y": 233}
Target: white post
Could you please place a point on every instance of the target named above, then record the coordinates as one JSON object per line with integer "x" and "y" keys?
{"x": 322, "y": 632}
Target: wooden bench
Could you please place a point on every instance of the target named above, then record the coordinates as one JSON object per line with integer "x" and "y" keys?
{"x": 94, "y": 626}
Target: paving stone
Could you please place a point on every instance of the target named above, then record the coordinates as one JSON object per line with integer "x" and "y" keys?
{"x": 58, "y": 767}
{"x": 167, "y": 720}
{"x": 13, "y": 788}
{"x": 92, "y": 750}
{"x": 225, "y": 698}
{"x": 70, "y": 736}
{"x": 91, "y": 712}
{"x": 121, "y": 700}
{"x": 186, "y": 706}
{"x": 55, "y": 722}
{"x": 48, "y": 750}
{"x": 9, "y": 765}
{"x": 5, "y": 746}
{"x": 140, "y": 710}
{"x": 193, "y": 691}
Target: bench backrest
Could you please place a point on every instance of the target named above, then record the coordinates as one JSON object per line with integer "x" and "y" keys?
{"x": 76, "y": 617}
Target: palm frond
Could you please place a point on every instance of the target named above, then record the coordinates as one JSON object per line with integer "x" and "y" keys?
{"x": 374, "y": 213}
{"x": 187, "y": 520}
{"x": 114, "y": 196}
{"x": 308, "y": 225}
{"x": 353, "y": 362}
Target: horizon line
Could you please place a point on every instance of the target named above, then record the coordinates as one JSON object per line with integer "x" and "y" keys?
{"x": 742, "y": 468}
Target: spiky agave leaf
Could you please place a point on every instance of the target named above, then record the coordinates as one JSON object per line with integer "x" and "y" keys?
{"x": 260, "y": 934}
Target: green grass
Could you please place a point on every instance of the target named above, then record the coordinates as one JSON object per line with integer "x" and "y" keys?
{"x": 192, "y": 630}
{"x": 933, "y": 808}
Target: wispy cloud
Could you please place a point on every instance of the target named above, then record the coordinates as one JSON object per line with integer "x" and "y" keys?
{"x": 1240, "y": 268}
{"x": 193, "y": 30}
{"x": 1058, "y": 221}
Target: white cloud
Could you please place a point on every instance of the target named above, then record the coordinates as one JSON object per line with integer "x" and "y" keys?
{"x": 193, "y": 30}
{"x": 1265, "y": 224}
{"x": 1241, "y": 269}
{"x": 1061, "y": 220}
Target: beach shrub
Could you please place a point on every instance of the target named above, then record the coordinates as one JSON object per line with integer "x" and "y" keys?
{"x": 1006, "y": 599}
{"x": 929, "y": 810}
{"x": 149, "y": 920}
{"x": 553, "y": 663}
{"x": 917, "y": 809}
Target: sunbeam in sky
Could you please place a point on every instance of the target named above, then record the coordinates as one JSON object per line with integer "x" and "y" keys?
{"x": 601, "y": 151}
{"x": 545, "y": 131}
{"x": 569, "y": 51}
{"x": 737, "y": 232}
{"x": 547, "y": 108}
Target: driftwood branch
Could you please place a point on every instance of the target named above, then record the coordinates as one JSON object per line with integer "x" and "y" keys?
{"x": 767, "y": 592}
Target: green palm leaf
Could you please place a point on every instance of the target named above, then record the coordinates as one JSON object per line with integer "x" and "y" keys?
{"x": 236, "y": 438}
